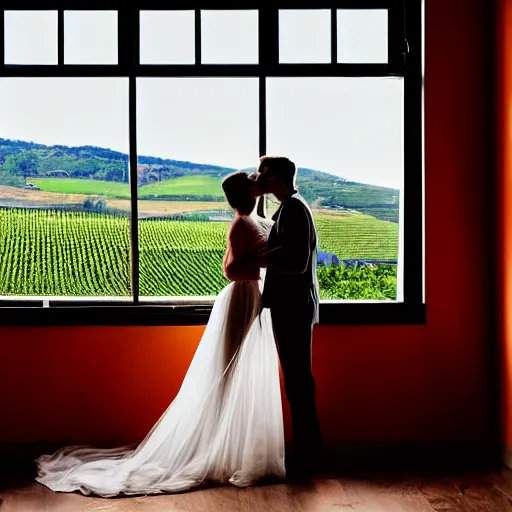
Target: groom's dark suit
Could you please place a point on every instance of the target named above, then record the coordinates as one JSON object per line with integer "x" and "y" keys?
{"x": 291, "y": 293}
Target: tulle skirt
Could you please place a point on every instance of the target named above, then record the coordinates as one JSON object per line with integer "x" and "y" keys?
{"x": 225, "y": 425}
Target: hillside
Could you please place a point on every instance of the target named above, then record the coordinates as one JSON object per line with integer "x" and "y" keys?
{"x": 20, "y": 160}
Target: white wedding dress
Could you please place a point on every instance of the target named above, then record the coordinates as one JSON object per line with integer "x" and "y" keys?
{"x": 225, "y": 425}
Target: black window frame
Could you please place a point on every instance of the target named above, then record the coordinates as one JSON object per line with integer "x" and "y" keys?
{"x": 405, "y": 54}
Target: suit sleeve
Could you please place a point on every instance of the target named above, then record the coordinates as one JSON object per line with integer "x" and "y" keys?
{"x": 293, "y": 253}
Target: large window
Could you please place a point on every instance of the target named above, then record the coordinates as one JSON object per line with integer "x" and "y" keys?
{"x": 117, "y": 127}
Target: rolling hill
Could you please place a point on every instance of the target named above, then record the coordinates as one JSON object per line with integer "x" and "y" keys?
{"x": 20, "y": 160}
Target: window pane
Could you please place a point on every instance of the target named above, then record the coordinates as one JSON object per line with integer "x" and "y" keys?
{"x": 64, "y": 193}
{"x": 167, "y": 37}
{"x": 30, "y": 37}
{"x": 305, "y": 36}
{"x": 90, "y": 37}
{"x": 229, "y": 37}
{"x": 192, "y": 132}
{"x": 346, "y": 137}
{"x": 362, "y": 36}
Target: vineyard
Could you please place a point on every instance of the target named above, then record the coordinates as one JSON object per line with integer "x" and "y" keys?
{"x": 181, "y": 258}
{"x": 59, "y": 253}
{"x": 353, "y": 235}
{"x": 44, "y": 252}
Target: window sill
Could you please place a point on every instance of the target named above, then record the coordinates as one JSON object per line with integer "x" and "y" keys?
{"x": 348, "y": 313}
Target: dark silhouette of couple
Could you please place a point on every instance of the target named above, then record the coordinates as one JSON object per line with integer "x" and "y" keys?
{"x": 225, "y": 425}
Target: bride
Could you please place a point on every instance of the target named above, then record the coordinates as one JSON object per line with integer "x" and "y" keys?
{"x": 225, "y": 425}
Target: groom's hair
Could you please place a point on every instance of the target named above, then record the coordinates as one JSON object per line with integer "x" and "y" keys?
{"x": 280, "y": 166}
{"x": 236, "y": 189}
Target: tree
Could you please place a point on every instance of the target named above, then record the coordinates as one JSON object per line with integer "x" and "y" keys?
{"x": 23, "y": 164}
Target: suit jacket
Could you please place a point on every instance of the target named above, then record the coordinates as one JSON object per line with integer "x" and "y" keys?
{"x": 291, "y": 281}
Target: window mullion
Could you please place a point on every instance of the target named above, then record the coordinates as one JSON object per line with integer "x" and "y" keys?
{"x": 128, "y": 39}
{"x": 413, "y": 179}
{"x": 129, "y": 55}
{"x": 197, "y": 36}
{"x": 60, "y": 37}
{"x": 268, "y": 41}
{"x": 2, "y": 43}
{"x": 396, "y": 37}
{"x": 334, "y": 36}
{"x": 268, "y": 38}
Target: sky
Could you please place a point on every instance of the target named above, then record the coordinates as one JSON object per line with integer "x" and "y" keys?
{"x": 350, "y": 127}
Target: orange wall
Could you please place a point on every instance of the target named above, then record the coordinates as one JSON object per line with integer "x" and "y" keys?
{"x": 374, "y": 383}
{"x": 504, "y": 141}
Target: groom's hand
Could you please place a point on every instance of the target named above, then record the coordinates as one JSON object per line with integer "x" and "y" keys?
{"x": 261, "y": 261}
{"x": 260, "y": 255}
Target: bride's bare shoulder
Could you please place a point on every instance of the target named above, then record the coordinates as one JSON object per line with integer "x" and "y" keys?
{"x": 242, "y": 224}
{"x": 238, "y": 223}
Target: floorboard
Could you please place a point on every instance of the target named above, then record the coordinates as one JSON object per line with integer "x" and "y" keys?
{"x": 473, "y": 491}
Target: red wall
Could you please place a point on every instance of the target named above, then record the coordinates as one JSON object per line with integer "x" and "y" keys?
{"x": 374, "y": 383}
{"x": 504, "y": 153}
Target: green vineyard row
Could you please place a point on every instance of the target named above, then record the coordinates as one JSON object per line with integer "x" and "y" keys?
{"x": 60, "y": 253}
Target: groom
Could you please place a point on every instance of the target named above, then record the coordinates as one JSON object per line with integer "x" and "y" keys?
{"x": 291, "y": 293}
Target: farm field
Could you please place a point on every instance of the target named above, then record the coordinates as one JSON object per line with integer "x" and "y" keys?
{"x": 147, "y": 207}
{"x": 83, "y": 187}
{"x": 182, "y": 186}
{"x": 61, "y": 253}
{"x": 39, "y": 196}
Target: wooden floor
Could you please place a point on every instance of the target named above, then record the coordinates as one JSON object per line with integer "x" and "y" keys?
{"x": 475, "y": 491}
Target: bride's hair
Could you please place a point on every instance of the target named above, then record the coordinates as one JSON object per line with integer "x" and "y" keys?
{"x": 236, "y": 189}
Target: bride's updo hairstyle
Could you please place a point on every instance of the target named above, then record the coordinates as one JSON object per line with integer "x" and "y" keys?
{"x": 236, "y": 187}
